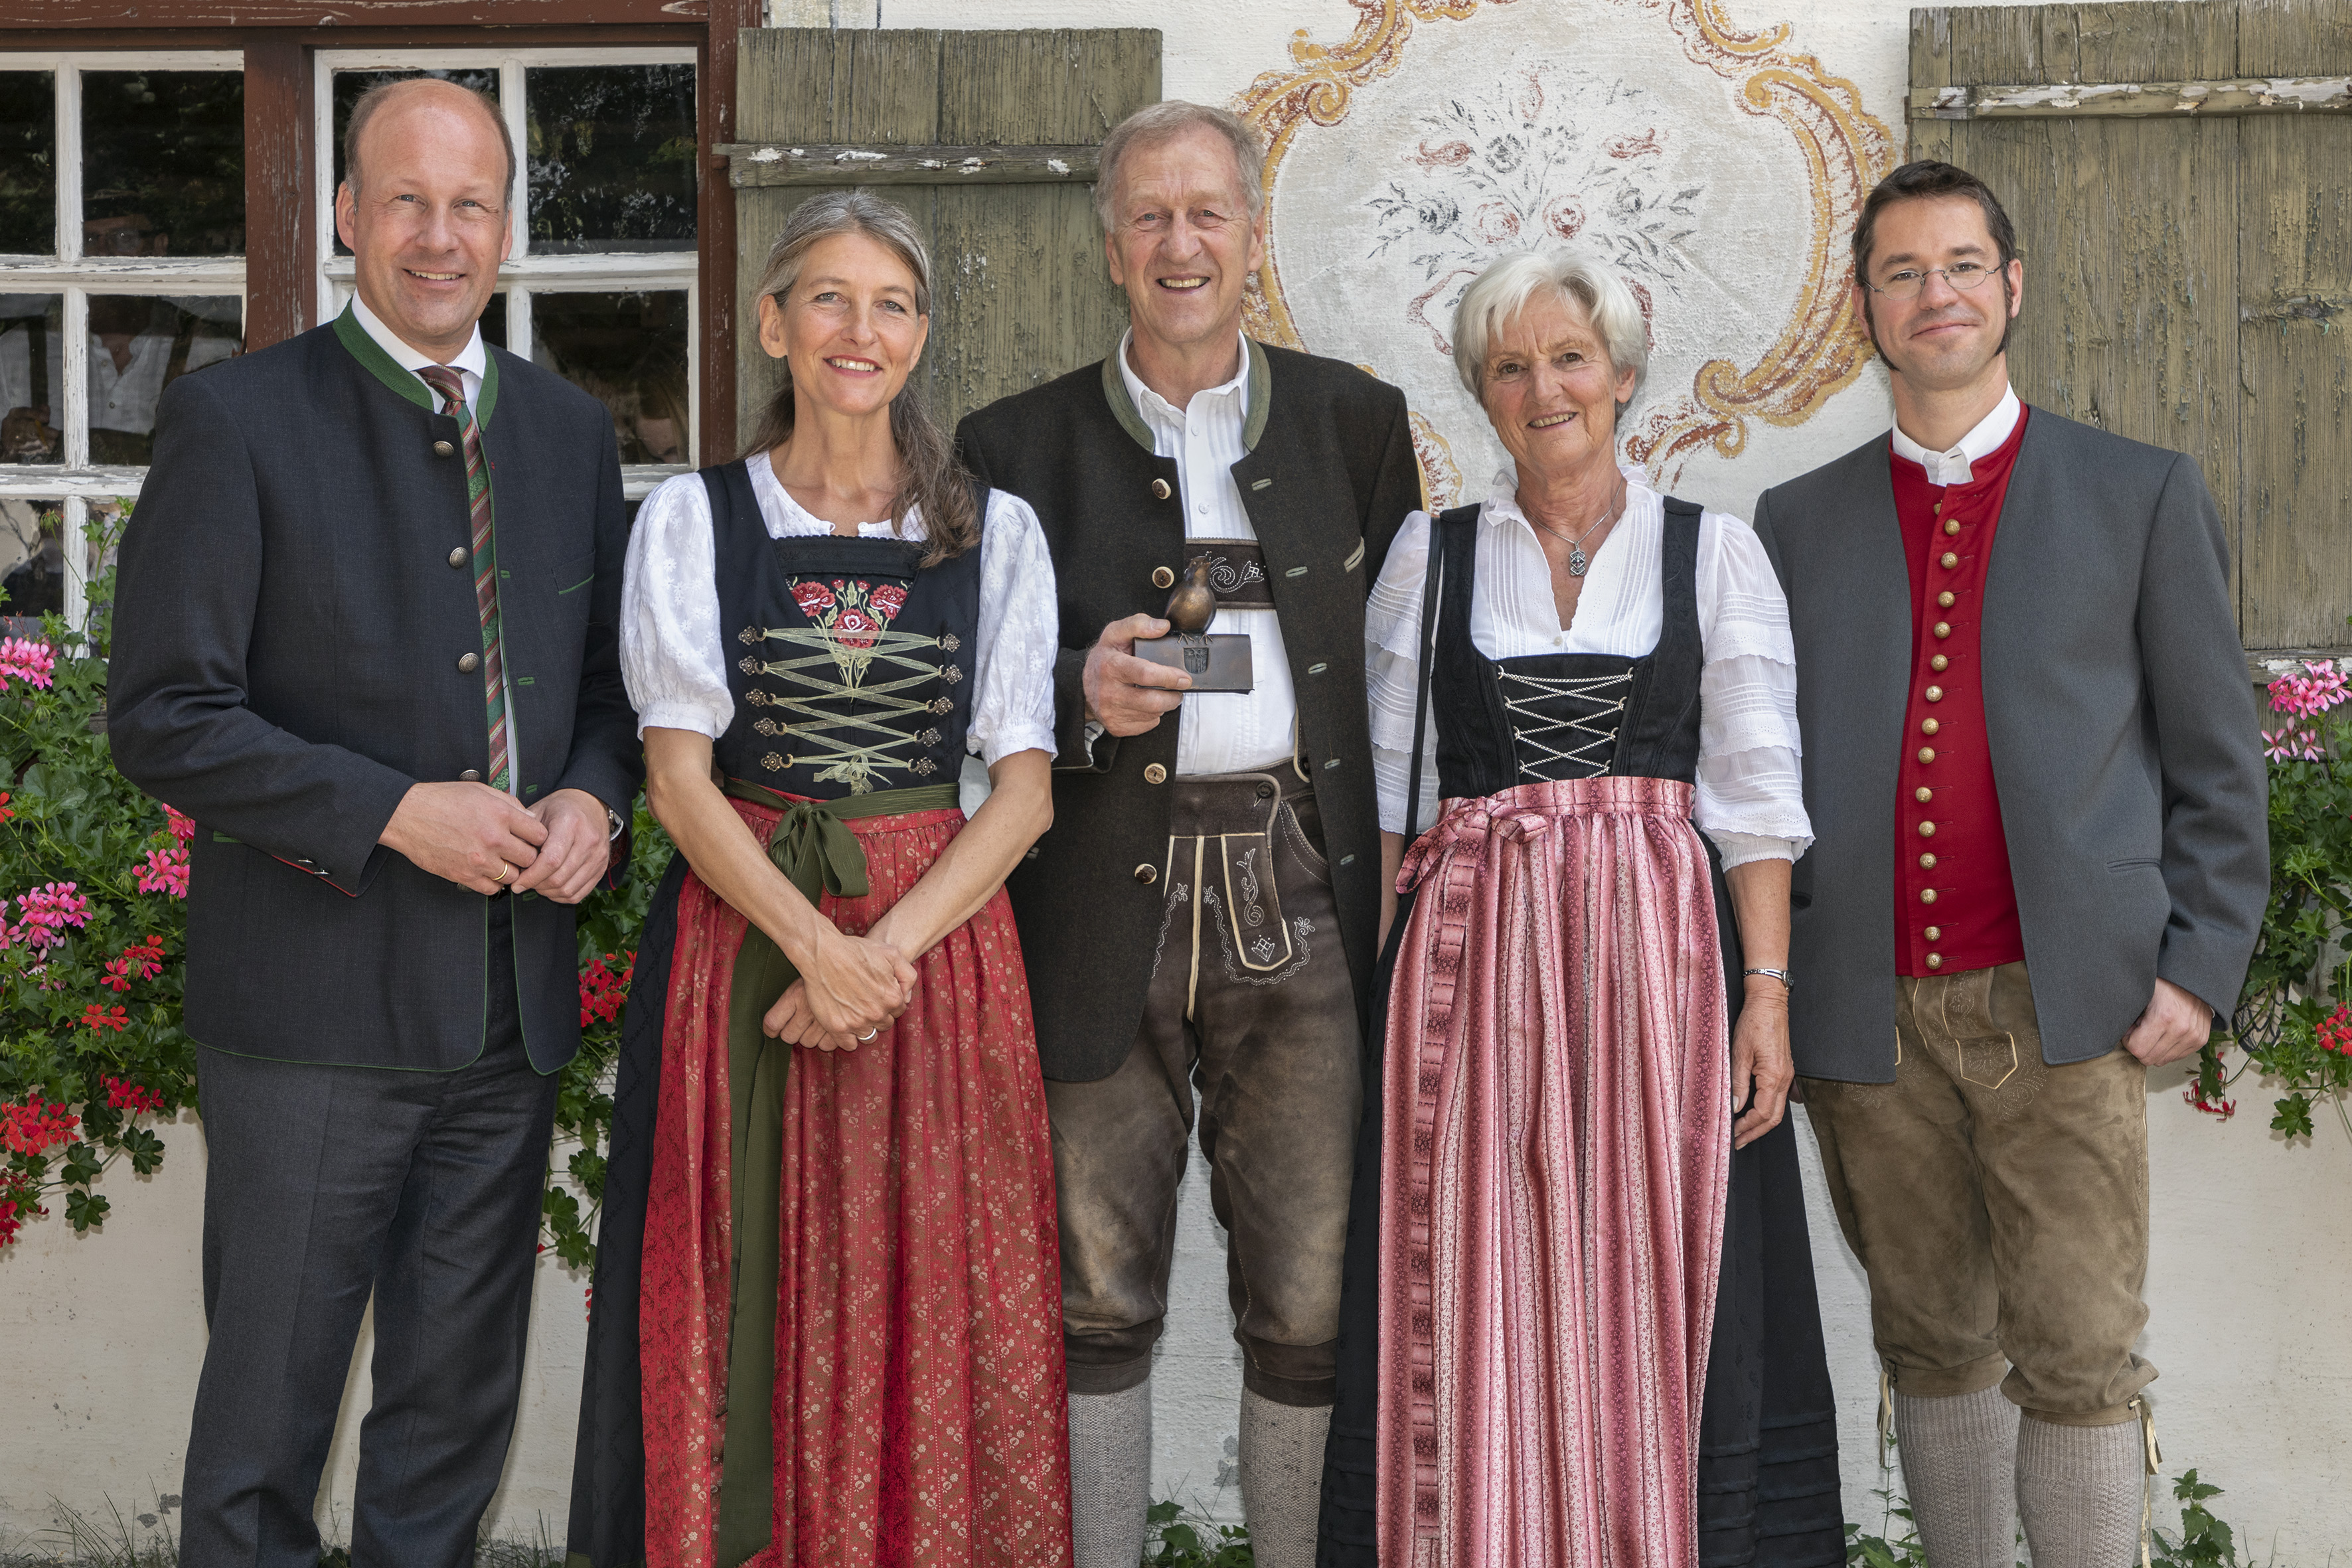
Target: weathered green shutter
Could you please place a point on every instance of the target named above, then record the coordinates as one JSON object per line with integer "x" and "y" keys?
{"x": 2188, "y": 250}
{"x": 970, "y": 131}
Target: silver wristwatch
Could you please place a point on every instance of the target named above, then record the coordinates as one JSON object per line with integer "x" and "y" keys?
{"x": 1787, "y": 981}
{"x": 613, "y": 820}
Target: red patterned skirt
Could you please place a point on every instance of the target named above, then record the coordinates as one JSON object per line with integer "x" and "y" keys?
{"x": 1558, "y": 1128}
{"x": 919, "y": 1405}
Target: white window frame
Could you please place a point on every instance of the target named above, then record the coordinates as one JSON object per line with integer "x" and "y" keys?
{"x": 524, "y": 274}
{"x": 76, "y": 481}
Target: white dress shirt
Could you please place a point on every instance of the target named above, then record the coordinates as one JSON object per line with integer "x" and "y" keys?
{"x": 1750, "y": 797}
{"x": 674, "y": 652}
{"x": 472, "y": 362}
{"x": 1952, "y": 467}
{"x": 1221, "y": 732}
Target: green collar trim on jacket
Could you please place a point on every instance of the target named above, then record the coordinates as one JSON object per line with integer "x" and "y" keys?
{"x": 380, "y": 365}
{"x": 1123, "y": 409}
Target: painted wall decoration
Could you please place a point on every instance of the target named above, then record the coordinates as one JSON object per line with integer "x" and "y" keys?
{"x": 1718, "y": 168}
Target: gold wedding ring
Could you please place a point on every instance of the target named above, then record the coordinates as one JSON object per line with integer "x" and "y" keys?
{"x": 505, "y": 871}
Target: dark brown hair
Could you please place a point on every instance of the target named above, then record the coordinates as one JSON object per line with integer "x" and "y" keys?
{"x": 382, "y": 93}
{"x": 931, "y": 476}
{"x": 1923, "y": 181}
{"x": 1920, "y": 182}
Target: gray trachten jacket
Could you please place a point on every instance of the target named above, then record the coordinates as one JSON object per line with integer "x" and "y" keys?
{"x": 2123, "y": 728}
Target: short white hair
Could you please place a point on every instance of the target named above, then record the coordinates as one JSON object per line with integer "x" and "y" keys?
{"x": 1155, "y": 123}
{"x": 1497, "y": 295}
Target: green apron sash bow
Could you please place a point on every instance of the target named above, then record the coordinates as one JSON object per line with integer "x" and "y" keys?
{"x": 818, "y": 855}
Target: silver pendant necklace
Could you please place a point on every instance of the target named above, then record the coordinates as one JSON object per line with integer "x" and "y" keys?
{"x": 1577, "y": 560}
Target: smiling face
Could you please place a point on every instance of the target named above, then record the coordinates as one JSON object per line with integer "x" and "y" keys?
{"x": 427, "y": 223}
{"x": 1550, "y": 390}
{"x": 1183, "y": 244}
{"x": 848, "y": 325}
{"x": 1942, "y": 339}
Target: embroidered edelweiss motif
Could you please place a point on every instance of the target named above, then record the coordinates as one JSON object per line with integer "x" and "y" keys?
{"x": 749, "y": 635}
{"x": 929, "y": 738}
{"x": 950, "y": 642}
{"x": 756, "y": 698}
{"x": 941, "y": 705}
{"x": 750, "y": 665}
{"x": 773, "y": 762}
{"x": 924, "y": 767}
{"x": 950, "y": 673}
{"x": 768, "y": 726}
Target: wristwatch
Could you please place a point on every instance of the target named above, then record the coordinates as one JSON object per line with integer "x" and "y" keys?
{"x": 613, "y": 821}
{"x": 1787, "y": 981}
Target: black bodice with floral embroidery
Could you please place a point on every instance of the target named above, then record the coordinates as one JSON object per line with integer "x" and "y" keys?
{"x": 851, "y": 666}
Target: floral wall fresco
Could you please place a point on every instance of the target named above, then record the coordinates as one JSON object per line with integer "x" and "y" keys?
{"x": 1718, "y": 168}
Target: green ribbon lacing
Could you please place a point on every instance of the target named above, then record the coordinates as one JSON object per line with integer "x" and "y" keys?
{"x": 818, "y": 855}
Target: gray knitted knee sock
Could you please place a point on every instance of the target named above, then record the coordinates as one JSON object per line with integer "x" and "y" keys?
{"x": 1282, "y": 1479}
{"x": 1110, "y": 1476}
{"x": 1959, "y": 1454}
{"x": 2081, "y": 1491}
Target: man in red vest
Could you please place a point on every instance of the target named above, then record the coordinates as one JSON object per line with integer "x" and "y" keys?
{"x": 2032, "y": 763}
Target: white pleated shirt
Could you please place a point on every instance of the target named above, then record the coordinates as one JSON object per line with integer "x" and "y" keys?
{"x": 1221, "y": 732}
{"x": 1750, "y": 797}
{"x": 674, "y": 651}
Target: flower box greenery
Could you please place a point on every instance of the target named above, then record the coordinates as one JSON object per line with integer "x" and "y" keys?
{"x": 93, "y": 884}
{"x": 2293, "y": 1021}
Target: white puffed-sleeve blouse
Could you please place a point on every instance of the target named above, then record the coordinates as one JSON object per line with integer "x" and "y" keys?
{"x": 1750, "y": 800}
{"x": 674, "y": 659}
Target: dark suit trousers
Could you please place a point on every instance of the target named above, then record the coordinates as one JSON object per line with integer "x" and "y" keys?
{"x": 328, "y": 1183}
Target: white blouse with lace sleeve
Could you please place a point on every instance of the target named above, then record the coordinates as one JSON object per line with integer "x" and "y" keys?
{"x": 1750, "y": 800}
{"x": 674, "y": 657}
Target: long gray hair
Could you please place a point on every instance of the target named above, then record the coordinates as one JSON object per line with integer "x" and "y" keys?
{"x": 932, "y": 477}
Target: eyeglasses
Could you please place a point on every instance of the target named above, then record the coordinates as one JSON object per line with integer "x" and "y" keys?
{"x": 1907, "y": 284}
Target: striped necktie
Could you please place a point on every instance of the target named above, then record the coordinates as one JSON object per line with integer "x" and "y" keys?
{"x": 445, "y": 381}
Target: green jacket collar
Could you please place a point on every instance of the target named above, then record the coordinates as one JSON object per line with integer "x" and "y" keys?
{"x": 1130, "y": 418}
{"x": 380, "y": 365}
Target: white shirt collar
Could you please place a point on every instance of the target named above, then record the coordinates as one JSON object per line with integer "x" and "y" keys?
{"x": 1503, "y": 495}
{"x": 472, "y": 359}
{"x": 1157, "y": 411}
{"x": 1952, "y": 467}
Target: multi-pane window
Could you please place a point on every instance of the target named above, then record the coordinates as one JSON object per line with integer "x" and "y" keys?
{"x": 121, "y": 268}
{"x": 122, "y": 257}
{"x": 600, "y": 286}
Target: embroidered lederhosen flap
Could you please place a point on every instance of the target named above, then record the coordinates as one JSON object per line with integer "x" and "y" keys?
{"x": 1253, "y": 904}
{"x": 1237, "y": 572}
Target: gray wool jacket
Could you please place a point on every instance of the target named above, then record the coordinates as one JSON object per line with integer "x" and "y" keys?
{"x": 2124, "y": 740}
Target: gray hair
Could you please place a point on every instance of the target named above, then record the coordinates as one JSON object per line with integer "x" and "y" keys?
{"x": 933, "y": 478}
{"x": 1155, "y": 123}
{"x": 1498, "y": 294}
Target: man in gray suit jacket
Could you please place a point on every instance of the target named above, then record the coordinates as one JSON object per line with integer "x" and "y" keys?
{"x": 2032, "y": 764}
{"x": 366, "y": 636}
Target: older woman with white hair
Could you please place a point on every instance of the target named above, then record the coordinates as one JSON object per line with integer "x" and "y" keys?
{"x": 1580, "y": 1322}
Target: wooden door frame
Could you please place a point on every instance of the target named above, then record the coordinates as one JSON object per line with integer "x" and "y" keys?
{"x": 279, "y": 38}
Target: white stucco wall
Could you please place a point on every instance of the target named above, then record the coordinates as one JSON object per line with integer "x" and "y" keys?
{"x": 2252, "y": 1242}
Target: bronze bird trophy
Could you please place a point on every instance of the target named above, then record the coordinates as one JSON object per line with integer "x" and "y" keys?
{"x": 1220, "y": 663}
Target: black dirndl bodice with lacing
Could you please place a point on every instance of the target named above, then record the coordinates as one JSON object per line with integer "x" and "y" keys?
{"x": 850, "y": 667}
{"x": 1554, "y": 717}
{"x": 1768, "y": 1479}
